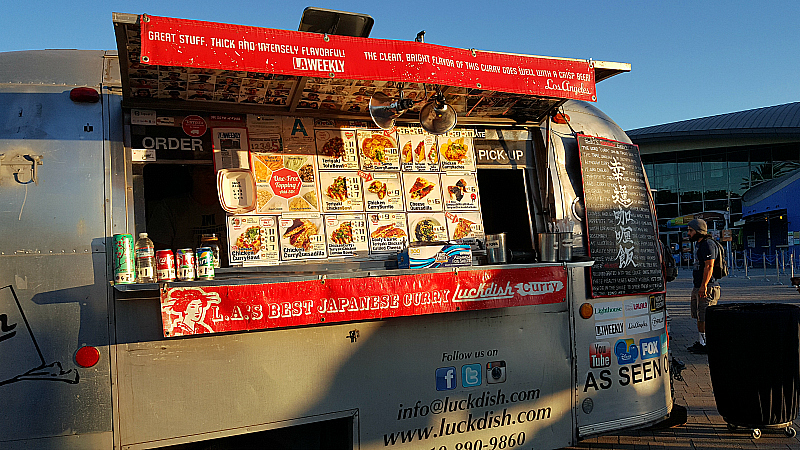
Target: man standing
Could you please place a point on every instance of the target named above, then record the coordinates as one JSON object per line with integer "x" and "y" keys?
{"x": 706, "y": 290}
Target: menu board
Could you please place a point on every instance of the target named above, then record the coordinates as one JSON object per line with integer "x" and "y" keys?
{"x": 456, "y": 150}
{"x": 383, "y": 191}
{"x": 347, "y": 235}
{"x": 336, "y": 189}
{"x": 378, "y": 150}
{"x": 622, "y": 239}
{"x": 341, "y": 191}
{"x": 253, "y": 240}
{"x": 302, "y": 236}
{"x": 336, "y": 150}
{"x": 285, "y": 182}
{"x": 425, "y": 228}
{"x": 423, "y": 191}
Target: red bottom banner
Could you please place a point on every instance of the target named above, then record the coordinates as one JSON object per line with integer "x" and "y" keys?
{"x": 219, "y": 309}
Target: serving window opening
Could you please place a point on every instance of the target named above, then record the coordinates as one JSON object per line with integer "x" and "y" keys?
{"x": 505, "y": 209}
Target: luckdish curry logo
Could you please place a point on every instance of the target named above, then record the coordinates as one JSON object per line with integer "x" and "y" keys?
{"x": 627, "y": 351}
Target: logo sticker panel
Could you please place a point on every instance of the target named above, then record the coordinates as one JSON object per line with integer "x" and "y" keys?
{"x": 650, "y": 347}
{"x": 446, "y": 378}
{"x": 657, "y": 321}
{"x": 636, "y": 325}
{"x": 471, "y": 375}
{"x": 599, "y": 355}
{"x": 495, "y": 372}
{"x": 636, "y": 307}
{"x": 608, "y": 310}
{"x": 604, "y": 330}
{"x": 626, "y": 351}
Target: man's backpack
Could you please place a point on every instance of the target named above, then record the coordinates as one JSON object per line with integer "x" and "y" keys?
{"x": 720, "y": 262}
{"x": 670, "y": 269}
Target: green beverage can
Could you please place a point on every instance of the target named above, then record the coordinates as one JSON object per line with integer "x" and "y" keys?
{"x": 205, "y": 263}
{"x": 124, "y": 263}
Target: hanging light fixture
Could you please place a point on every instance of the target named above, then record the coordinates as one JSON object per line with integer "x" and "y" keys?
{"x": 385, "y": 110}
{"x": 436, "y": 116}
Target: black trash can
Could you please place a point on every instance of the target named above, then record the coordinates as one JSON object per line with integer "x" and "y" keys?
{"x": 754, "y": 361}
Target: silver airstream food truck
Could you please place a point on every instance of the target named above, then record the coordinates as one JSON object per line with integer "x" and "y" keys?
{"x": 422, "y": 246}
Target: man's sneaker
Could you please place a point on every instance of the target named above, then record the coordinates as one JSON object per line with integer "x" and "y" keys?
{"x": 698, "y": 348}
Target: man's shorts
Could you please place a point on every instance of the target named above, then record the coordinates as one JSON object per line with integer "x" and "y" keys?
{"x": 699, "y": 305}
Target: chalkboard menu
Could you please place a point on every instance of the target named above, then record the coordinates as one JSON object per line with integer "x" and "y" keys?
{"x": 622, "y": 239}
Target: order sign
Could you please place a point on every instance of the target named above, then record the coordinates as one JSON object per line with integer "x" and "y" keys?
{"x": 217, "y": 309}
{"x": 189, "y": 43}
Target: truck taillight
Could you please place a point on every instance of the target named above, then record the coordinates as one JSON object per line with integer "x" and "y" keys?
{"x": 84, "y": 95}
{"x": 586, "y": 310}
{"x": 87, "y": 356}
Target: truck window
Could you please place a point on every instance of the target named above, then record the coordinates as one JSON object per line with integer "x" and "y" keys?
{"x": 181, "y": 204}
{"x": 505, "y": 206}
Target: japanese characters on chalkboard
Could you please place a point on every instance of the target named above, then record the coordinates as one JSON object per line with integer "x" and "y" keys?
{"x": 622, "y": 237}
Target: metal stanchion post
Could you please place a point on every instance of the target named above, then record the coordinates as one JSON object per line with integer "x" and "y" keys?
{"x": 783, "y": 261}
{"x": 777, "y": 268}
{"x": 791, "y": 263}
{"x": 764, "y": 263}
{"x": 746, "y": 261}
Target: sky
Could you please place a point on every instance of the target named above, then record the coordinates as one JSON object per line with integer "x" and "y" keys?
{"x": 689, "y": 59}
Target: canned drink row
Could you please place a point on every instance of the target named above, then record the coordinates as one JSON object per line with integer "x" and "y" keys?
{"x": 183, "y": 265}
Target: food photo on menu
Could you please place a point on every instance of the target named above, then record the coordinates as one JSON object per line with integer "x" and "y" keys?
{"x": 457, "y": 153}
{"x": 341, "y": 191}
{"x": 302, "y": 236}
{"x": 383, "y": 192}
{"x": 460, "y": 191}
{"x": 427, "y": 228}
{"x": 336, "y": 149}
{"x": 378, "y": 150}
{"x": 347, "y": 235}
{"x": 252, "y": 239}
{"x": 422, "y": 191}
{"x": 285, "y": 182}
{"x": 387, "y": 231}
{"x": 418, "y": 151}
{"x": 465, "y": 227}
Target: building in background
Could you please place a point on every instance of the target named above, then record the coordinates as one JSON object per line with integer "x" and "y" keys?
{"x": 720, "y": 168}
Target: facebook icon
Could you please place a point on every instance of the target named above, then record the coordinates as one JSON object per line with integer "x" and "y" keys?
{"x": 445, "y": 378}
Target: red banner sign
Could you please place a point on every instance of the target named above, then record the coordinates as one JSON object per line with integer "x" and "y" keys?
{"x": 189, "y": 43}
{"x": 216, "y": 309}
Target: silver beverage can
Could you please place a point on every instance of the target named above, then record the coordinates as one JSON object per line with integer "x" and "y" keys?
{"x": 184, "y": 260}
{"x": 205, "y": 263}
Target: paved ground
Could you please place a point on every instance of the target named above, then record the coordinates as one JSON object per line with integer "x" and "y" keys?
{"x": 704, "y": 428}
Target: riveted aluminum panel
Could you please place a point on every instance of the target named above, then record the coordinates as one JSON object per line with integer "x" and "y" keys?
{"x": 53, "y": 265}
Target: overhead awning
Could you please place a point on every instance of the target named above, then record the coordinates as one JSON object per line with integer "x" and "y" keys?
{"x": 177, "y": 63}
